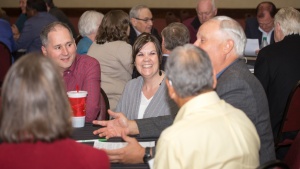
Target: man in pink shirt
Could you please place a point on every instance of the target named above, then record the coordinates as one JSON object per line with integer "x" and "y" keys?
{"x": 82, "y": 70}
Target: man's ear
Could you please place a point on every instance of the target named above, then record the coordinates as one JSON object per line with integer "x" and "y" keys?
{"x": 228, "y": 46}
{"x": 44, "y": 50}
{"x": 133, "y": 21}
{"x": 214, "y": 79}
{"x": 171, "y": 90}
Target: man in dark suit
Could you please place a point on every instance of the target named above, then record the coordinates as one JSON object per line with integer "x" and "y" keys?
{"x": 141, "y": 20}
{"x": 235, "y": 84}
{"x": 206, "y": 9}
{"x": 278, "y": 65}
{"x": 263, "y": 24}
{"x": 175, "y": 34}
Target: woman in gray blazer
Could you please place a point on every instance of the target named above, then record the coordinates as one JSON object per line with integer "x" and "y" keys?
{"x": 146, "y": 96}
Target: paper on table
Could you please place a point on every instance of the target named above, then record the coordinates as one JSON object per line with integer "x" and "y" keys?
{"x": 150, "y": 163}
{"x": 117, "y": 145}
{"x": 251, "y": 46}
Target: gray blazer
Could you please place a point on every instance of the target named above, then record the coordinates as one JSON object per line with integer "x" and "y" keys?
{"x": 160, "y": 105}
{"x": 238, "y": 87}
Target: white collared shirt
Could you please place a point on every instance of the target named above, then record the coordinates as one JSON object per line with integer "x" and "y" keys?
{"x": 266, "y": 34}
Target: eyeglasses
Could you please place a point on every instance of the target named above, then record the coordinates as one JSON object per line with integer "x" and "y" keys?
{"x": 146, "y": 20}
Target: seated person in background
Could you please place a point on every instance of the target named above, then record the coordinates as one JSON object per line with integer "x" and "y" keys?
{"x": 6, "y": 35}
{"x": 88, "y": 26}
{"x": 60, "y": 15}
{"x": 77, "y": 70}
{"x": 224, "y": 40}
{"x": 278, "y": 65}
{"x": 18, "y": 26}
{"x": 263, "y": 24}
{"x": 146, "y": 96}
{"x": 175, "y": 34}
{"x": 36, "y": 128}
{"x": 38, "y": 18}
{"x": 141, "y": 20}
{"x": 191, "y": 82}
{"x": 114, "y": 54}
{"x": 206, "y": 9}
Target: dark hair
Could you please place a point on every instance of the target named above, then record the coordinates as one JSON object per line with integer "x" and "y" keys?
{"x": 38, "y": 5}
{"x": 271, "y": 8}
{"x": 51, "y": 27}
{"x": 141, "y": 40}
{"x": 175, "y": 34}
{"x": 113, "y": 27}
{"x": 34, "y": 102}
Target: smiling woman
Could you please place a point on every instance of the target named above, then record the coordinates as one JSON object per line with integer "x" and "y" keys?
{"x": 146, "y": 96}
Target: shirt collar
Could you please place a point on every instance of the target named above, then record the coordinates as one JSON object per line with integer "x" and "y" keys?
{"x": 136, "y": 31}
{"x": 196, "y": 103}
{"x": 72, "y": 67}
{"x": 222, "y": 71}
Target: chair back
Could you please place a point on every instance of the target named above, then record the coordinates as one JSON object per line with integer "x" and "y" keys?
{"x": 292, "y": 158}
{"x": 275, "y": 164}
{"x": 5, "y": 61}
{"x": 291, "y": 117}
{"x": 104, "y": 106}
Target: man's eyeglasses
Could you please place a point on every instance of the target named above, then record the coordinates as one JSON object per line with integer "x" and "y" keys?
{"x": 146, "y": 20}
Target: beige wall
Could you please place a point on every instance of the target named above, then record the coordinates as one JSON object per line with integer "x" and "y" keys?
{"x": 156, "y": 3}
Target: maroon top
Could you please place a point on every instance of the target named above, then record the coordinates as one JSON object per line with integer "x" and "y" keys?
{"x": 60, "y": 154}
{"x": 85, "y": 72}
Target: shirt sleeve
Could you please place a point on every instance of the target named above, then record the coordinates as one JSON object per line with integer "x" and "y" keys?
{"x": 92, "y": 86}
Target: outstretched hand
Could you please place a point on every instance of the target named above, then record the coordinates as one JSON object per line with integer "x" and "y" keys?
{"x": 131, "y": 154}
{"x": 114, "y": 127}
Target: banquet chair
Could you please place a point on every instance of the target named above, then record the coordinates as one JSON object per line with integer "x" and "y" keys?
{"x": 274, "y": 164}
{"x": 292, "y": 158}
{"x": 5, "y": 61}
{"x": 291, "y": 118}
{"x": 104, "y": 105}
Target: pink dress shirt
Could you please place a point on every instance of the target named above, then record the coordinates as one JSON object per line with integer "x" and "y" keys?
{"x": 85, "y": 72}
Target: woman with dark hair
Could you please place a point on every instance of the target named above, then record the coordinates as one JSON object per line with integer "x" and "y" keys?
{"x": 35, "y": 120}
{"x": 113, "y": 52}
{"x": 146, "y": 96}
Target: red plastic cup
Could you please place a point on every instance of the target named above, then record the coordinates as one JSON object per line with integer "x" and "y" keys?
{"x": 78, "y": 104}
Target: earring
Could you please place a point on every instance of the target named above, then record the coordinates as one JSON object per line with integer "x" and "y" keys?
{"x": 160, "y": 73}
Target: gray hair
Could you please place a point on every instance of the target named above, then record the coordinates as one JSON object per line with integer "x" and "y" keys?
{"x": 89, "y": 22}
{"x": 213, "y": 4}
{"x": 34, "y": 102}
{"x": 234, "y": 31}
{"x": 175, "y": 34}
{"x": 289, "y": 20}
{"x": 134, "y": 11}
{"x": 51, "y": 27}
{"x": 190, "y": 71}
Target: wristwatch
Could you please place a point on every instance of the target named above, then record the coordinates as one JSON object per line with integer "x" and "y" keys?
{"x": 147, "y": 155}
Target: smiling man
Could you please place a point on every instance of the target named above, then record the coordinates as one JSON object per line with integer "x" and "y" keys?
{"x": 82, "y": 70}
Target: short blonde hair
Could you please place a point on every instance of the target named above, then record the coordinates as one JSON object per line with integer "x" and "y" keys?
{"x": 289, "y": 20}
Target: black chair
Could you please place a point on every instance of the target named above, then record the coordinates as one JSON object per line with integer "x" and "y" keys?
{"x": 291, "y": 118}
{"x": 103, "y": 114}
{"x": 5, "y": 61}
{"x": 275, "y": 164}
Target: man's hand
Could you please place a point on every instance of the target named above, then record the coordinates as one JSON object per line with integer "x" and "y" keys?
{"x": 15, "y": 31}
{"x": 113, "y": 128}
{"x": 133, "y": 153}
